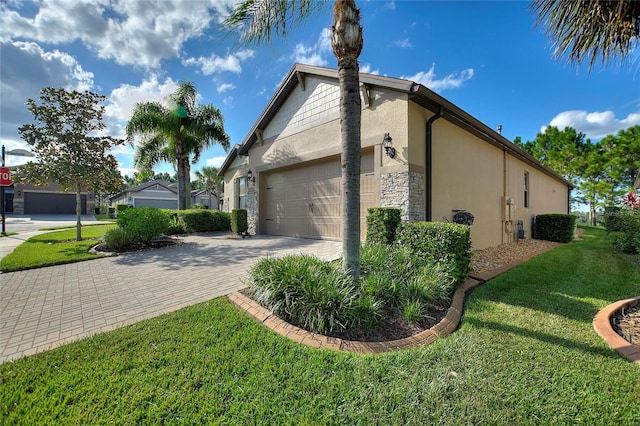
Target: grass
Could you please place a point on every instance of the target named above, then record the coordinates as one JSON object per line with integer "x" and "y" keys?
{"x": 526, "y": 353}
{"x": 54, "y": 248}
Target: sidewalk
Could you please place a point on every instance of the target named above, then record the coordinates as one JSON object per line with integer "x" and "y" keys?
{"x": 43, "y": 308}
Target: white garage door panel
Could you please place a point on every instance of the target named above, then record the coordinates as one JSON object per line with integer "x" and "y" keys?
{"x": 307, "y": 201}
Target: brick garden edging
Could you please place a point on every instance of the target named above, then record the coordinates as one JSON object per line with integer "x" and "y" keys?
{"x": 602, "y": 325}
{"x": 445, "y": 327}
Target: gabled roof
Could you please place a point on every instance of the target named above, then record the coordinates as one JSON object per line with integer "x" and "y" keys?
{"x": 416, "y": 92}
{"x": 146, "y": 185}
{"x": 233, "y": 153}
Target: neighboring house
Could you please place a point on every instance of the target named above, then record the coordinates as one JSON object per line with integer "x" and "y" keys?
{"x": 50, "y": 199}
{"x": 161, "y": 194}
{"x": 636, "y": 185}
{"x": 287, "y": 171}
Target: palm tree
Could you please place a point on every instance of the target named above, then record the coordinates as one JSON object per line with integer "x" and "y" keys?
{"x": 594, "y": 29}
{"x": 209, "y": 176}
{"x": 261, "y": 18}
{"x": 175, "y": 133}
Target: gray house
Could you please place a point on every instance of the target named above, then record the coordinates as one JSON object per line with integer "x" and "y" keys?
{"x": 161, "y": 194}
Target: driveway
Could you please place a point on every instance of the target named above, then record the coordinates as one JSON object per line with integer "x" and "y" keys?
{"x": 43, "y": 308}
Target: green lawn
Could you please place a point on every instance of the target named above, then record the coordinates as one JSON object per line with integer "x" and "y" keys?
{"x": 526, "y": 353}
{"x": 54, "y": 248}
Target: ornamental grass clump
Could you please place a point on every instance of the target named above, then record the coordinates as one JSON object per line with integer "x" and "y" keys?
{"x": 318, "y": 296}
{"x": 307, "y": 292}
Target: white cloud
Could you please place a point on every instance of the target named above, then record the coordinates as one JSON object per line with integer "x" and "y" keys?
{"x": 404, "y": 44}
{"x": 390, "y": 5}
{"x": 122, "y": 100}
{"x": 215, "y": 161}
{"x": 27, "y": 68}
{"x": 453, "y": 80}
{"x": 366, "y": 68}
{"x": 224, "y": 87}
{"x": 138, "y": 33}
{"x": 216, "y": 64}
{"x": 316, "y": 54}
{"x": 595, "y": 125}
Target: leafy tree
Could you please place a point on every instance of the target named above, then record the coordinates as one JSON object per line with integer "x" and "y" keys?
{"x": 590, "y": 30}
{"x": 563, "y": 151}
{"x": 69, "y": 152}
{"x": 622, "y": 155}
{"x": 208, "y": 179}
{"x": 262, "y": 18}
{"x": 175, "y": 133}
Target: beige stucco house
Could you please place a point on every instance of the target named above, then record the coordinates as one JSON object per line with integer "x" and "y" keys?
{"x": 286, "y": 172}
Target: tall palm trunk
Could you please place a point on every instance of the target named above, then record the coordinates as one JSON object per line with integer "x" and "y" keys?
{"x": 347, "y": 44}
{"x": 183, "y": 169}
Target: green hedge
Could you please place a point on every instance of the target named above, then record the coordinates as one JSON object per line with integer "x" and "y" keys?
{"x": 611, "y": 219}
{"x": 628, "y": 240}
{"x": 200, "y": 220}
{"x": 555, "y": 227}
{"x": 239, "y": 222}
{"x": 120, "y": 208}
{"x": 382, "y": 223}
{"x": 447, "y": 244}
{"x": 144, "y": 223}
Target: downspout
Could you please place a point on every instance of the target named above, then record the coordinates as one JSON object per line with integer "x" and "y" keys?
{"x": 428, "y": 161}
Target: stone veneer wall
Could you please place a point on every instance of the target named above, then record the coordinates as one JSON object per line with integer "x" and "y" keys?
{"x": 252, "y": 210}
{"x": 404, "y": 190}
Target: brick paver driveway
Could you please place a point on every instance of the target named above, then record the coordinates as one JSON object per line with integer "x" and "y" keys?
{"x": 43, "y": 308}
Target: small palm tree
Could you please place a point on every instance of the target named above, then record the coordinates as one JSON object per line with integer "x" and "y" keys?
{"x": 259, "y": 19}
{"x": 177, "y": 134}
{"x": 593, "y": 29}
{"x": 209, "y": 176}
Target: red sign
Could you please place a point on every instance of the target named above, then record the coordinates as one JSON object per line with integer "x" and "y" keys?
{"x": 5, "y": 176}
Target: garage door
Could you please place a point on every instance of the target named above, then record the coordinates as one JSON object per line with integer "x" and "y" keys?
{"x": 306, "y": 201}
{"x": 51, "y": 203}
{"x": 161, "y": 204}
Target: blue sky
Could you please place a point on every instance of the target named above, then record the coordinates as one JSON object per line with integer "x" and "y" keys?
{"x": 486, "y": 57}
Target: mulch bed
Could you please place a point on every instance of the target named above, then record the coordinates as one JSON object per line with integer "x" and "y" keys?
{"x": 626, "y": 323}
{"x": 156, "y": 243}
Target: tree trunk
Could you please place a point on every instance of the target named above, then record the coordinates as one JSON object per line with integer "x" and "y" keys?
{"x": 184, "y": 182}
{"x": 592, "y": 213}
{"x": 347, "y": 44}
{"x": 78, "y": 212}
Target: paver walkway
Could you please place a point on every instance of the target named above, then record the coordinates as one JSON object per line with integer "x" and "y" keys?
{"x": 46, "y": 307}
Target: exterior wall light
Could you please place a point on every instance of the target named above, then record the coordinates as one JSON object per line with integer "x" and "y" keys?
{"x": 388, "y": 148}
{"x": 250, "y": 176}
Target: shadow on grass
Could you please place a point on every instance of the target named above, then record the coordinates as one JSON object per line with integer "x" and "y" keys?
{"x": 544, "y": 337}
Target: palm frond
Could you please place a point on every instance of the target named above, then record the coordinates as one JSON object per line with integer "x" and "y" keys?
{"x": 259, "y": 20}
{"x": 590, "y": 30}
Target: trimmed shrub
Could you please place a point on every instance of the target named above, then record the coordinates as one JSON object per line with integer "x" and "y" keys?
{"x": 201, "y": 220}
{"x": 307, "y": 292}
{"x": 144, "y": 223}
{"x": 120, "y": 208}
{"x": 446, "y": 244}
{"x": 117, "y": 239}
{"x": 382, "y": 223}
{"x": 628, "y": 241}
{"x": 611, "y": 219}
{"x": 555, "y": 227}
{"x": 239, "y": 223}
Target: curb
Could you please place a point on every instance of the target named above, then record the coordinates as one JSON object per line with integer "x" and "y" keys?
{"x": 602, "y": 325}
